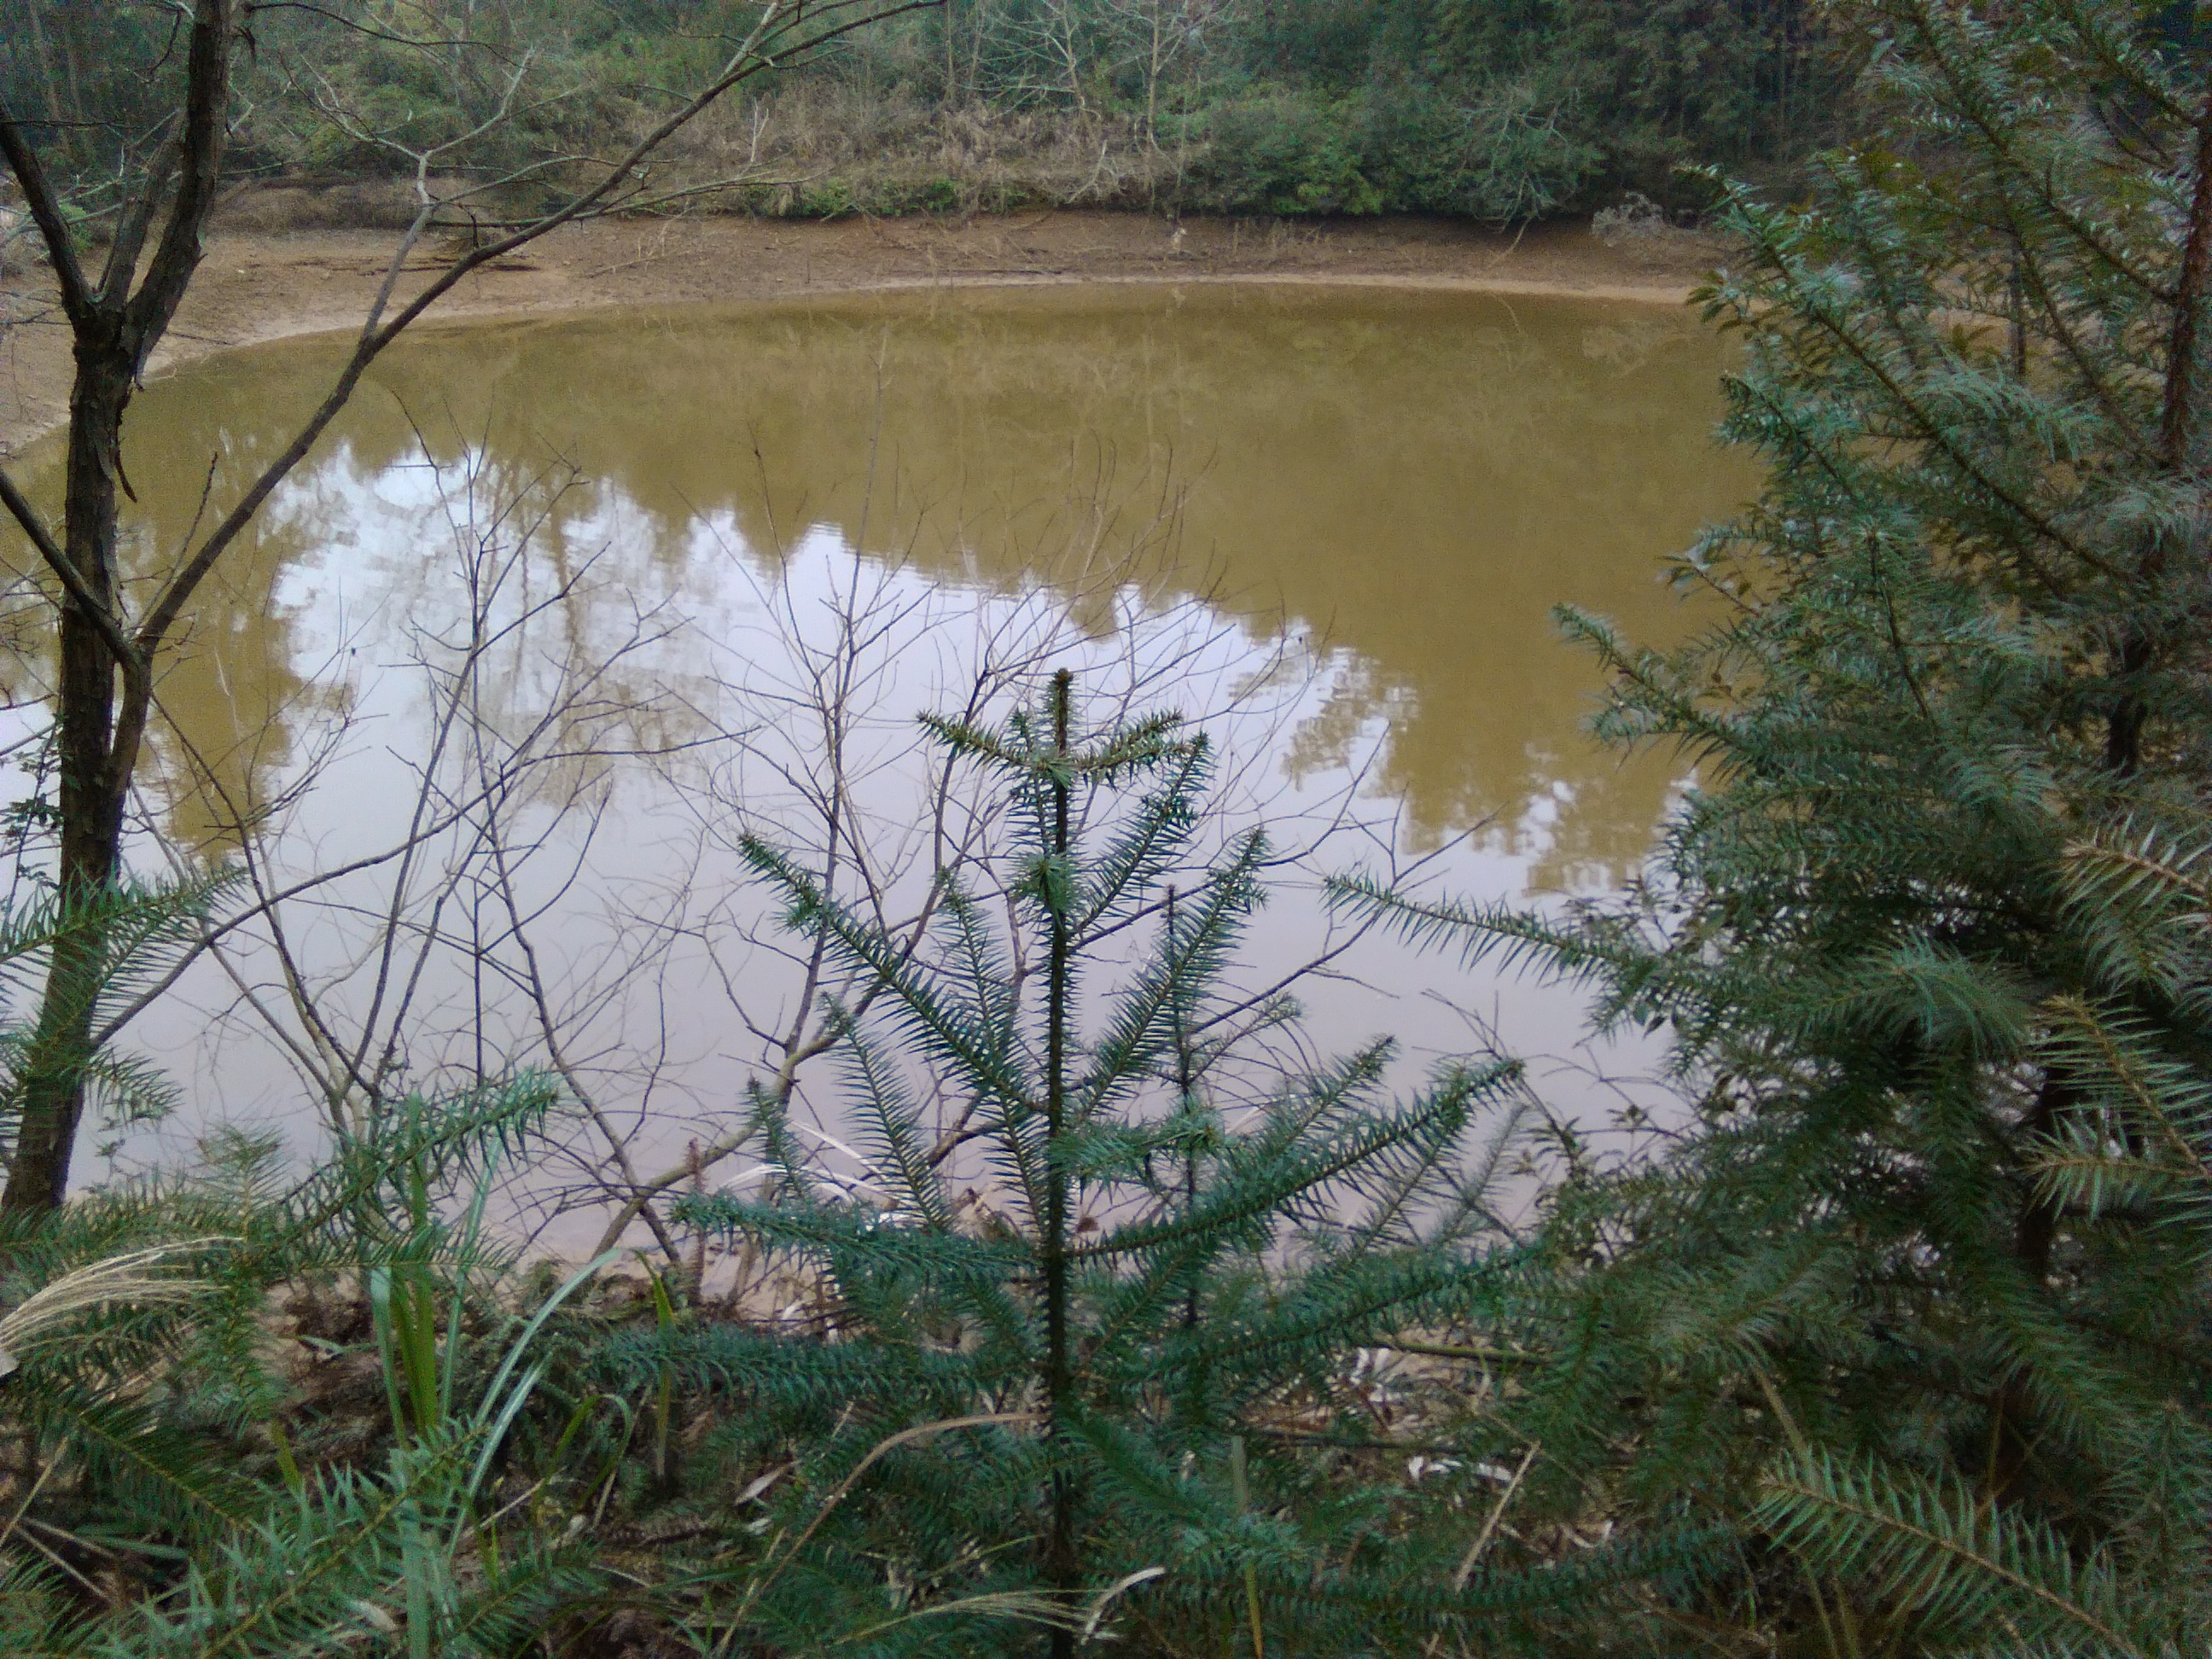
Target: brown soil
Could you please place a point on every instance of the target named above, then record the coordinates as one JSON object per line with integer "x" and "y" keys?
{"x": 256, "y": 286}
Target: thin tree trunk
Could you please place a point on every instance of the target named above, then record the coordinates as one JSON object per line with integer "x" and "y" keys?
{"x": 2035, "y": 1234}
{"x": 34, "y": 10}
{"x": 114, "y": 326}
{"x": 1185, "y": 1085}
{"x": 2176, "y": 423}
{"x": 952, "y": 72}
{"x": 1061, "y": 1566}
{"x": 91, "y": 806}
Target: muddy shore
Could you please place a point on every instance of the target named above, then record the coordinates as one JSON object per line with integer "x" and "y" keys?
{"x": 256, "y": 287}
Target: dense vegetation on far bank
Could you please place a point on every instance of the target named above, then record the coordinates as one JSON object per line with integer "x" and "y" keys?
{"x": 1478, "y": 108}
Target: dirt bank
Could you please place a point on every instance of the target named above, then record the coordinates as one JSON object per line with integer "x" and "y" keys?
{"x": 262, "y": 286}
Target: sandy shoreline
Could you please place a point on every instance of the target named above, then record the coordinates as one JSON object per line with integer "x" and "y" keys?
{"x": 257, "y": 287}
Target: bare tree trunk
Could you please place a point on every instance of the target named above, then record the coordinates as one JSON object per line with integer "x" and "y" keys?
{"x": 115, "y": 327}
{"x": 91, "y": 805}
{"x": 1152, "y": 84}
{"x": 952, "y": 73}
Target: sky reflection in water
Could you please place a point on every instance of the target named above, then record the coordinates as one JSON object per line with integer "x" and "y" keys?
{"x": 1335, "y": 521}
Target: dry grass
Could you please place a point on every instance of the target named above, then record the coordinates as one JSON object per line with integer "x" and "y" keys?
{"x": 143, "y": 1279}
{"x": 1640, "y": 229}
{"x": 816, "y": 149}
{"x": 783, "y": 151}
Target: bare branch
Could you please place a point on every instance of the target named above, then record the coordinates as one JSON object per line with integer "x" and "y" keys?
{"x": 749, "y": 61}
{"x": 199, "y": 163}
{"x": 45, "y": 207}
{"x": 112, "y": 631}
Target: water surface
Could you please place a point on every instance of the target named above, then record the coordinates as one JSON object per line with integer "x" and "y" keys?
{"x": 1338, "y": 519}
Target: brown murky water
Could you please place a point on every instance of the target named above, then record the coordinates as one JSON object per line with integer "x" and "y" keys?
{"x": 1370, "y": 501}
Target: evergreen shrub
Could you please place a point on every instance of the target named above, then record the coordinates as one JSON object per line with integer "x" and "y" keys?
{"x": 1086, "y": 1328}
{"x": 1914, "y": 1305}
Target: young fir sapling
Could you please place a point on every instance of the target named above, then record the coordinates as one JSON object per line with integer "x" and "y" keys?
{"x": 1107, "y": 1351}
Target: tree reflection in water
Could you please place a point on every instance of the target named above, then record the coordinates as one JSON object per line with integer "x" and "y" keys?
{"x": 564, "y": 603}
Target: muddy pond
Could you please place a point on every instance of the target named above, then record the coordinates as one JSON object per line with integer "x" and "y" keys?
{"x": 561, "y": 608}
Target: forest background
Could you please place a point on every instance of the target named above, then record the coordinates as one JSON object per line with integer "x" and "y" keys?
{"x": 1499, "y": 110}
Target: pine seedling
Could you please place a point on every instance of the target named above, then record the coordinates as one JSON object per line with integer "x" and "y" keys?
{"x": 1086, "y": 1381}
